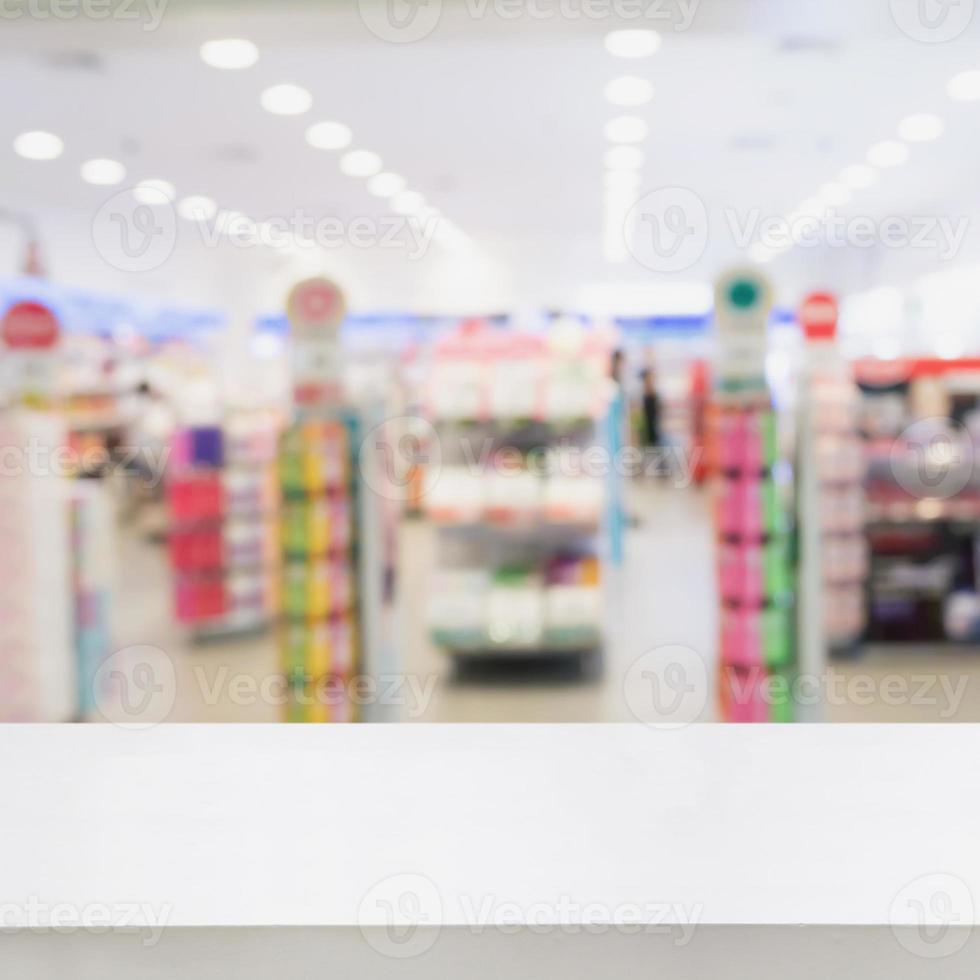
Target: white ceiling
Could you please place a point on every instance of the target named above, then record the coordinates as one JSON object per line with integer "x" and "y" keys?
{"x": 497, "y": 121}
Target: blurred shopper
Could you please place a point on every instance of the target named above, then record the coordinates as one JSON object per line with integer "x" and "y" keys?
{"x": 651, "y": 409}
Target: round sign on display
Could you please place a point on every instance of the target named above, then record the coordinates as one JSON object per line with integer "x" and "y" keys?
{"x": 819, "y": 315}
{"x": 742, "y": 300}
{"x": 315, "y": 305}
{"x": 29, "y": 326}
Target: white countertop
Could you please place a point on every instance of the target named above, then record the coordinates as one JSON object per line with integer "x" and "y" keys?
{"x": 297, "y": 825}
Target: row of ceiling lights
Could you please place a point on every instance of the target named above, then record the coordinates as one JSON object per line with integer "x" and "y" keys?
{"x": 922, "y": 127}
{"x": 623, "y": 158}
{"x": 235, "y": 54}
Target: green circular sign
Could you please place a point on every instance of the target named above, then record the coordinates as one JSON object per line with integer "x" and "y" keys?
{"x": 743, "y": 294}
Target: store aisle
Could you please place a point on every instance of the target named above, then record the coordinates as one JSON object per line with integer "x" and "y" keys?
{"x": 664, "y": 594}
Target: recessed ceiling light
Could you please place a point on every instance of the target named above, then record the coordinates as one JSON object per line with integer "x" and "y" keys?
{"x": 626, "y": 129}
{"x": 386, "y": 184}
{"x": 965, "y": 87}
{"x": 623, "y": 158}
{"x": 921, "y": 128}
{"x": 622, "y": 180}
{"x": 231, "y": 53}
{"x": 39, "y": 145}
{"x": 154, "y": 191}
{"x": 197, "y": 208}
{"x": 834, "y": 194}
{"x": 888, "y": 153}
{"x": 329, "y": 135}
{"x": 407, "y": 202}
{"x": 103, "y": 172}
{"x": 286, "y": 100}
{"x": 629, "y": 90}
{"x": 632, "y": 43}
{"x": 858, "y": 176}
{"x": 360, "y": 163}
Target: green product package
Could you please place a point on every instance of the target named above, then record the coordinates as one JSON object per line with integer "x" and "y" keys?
{"x": 776, "y": 568}
{"x": 782, "y": 710}
{"x": 295, "y": 642}
{"x": 777, "y": 636}
{"x": 295, "y": 526}
{"x": 773, "y": 514}
{"x": 769, "y": 433}
{"x": 295, "y": 588}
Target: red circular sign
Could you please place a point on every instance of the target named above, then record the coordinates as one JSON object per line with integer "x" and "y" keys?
{"x": 818, "y": 315}
{"x": 29, "y": 326}
{"x": 315, "y": 304}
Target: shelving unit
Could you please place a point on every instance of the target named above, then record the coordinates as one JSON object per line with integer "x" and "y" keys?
{"x": 922, "y": 439}
{"x": 522, "y": 516}
{"x": 755, "y": 573}
{"x": 223, "y": 505}
{"x": 38, "y": 669}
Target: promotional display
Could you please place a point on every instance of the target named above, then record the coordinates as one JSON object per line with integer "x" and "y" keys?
{"x": 755, "y": 569}
{"x": 330, "y": 568}
{"x": 830, "y": 487}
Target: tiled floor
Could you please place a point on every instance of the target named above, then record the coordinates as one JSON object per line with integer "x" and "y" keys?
{"x": 662, "y": 596}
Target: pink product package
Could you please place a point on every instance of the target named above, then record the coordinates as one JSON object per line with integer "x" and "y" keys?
{"x": 731, "y": 440}
{"x": 741, "y": 637}
{"x": 740, "y": 442}
{"x": 753, "y": 458}
{"x": 746, "y": 700}
{"x": 180, "y": 449}
{"x": 741, "y": 574}
{"x": 740, "y": 507}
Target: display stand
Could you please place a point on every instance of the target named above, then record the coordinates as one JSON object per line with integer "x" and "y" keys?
{"x": 752, "y": 525}
{"x": 332, "y": 565}
{"x": 38, "y": 668}
{"x": 524, "y": 521}
{"x": 830, "y": 496}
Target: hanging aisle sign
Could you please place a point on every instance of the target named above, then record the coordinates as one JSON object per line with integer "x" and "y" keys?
{"x": 315, "y": 309}
{"x": 29, "y": 337}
